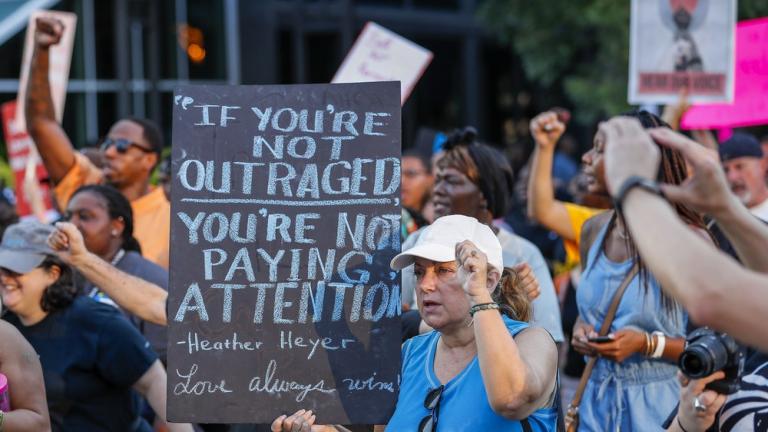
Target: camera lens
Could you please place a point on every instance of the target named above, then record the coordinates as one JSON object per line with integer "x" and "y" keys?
{"x": 704, "y": 357}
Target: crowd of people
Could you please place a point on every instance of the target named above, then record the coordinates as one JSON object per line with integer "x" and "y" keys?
{"x": 602, "y": 273}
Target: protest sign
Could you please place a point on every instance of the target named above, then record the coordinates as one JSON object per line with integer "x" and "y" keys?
{"x": 750, "y": 104}
{"x": 382, "y": 55}
{"x": 27, "y": 169}
{"x": 285, "y": 216}
{"x": 681, "y": 44}
{"x": 60, "y": 57}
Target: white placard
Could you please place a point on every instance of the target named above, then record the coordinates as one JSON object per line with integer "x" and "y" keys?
{"x": 381, "y": 55}
{"x": 676, "y": 44}
{"x": 60, "y": 57}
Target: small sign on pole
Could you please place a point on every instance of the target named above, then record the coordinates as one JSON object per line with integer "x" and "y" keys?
{"x": 681, "y": 44}
{"x": 382, "y": 55}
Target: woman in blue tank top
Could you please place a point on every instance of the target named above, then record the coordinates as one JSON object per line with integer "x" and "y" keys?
{"x": 478, "y": 370}
{"x": 633, "y": 385}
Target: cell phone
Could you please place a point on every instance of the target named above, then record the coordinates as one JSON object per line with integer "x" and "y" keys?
{"x": 600, "y": 339}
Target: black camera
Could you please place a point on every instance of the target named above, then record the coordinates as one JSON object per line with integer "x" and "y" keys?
{"x": 706, "y": 352}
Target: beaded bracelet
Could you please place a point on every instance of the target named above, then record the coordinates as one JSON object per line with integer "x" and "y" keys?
{"x": 482, "y": 306}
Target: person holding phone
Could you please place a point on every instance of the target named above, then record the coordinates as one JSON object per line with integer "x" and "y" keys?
{"x": 634, "y": 378}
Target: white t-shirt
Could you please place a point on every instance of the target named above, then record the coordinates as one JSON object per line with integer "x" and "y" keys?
{"x": 761, "y": 211}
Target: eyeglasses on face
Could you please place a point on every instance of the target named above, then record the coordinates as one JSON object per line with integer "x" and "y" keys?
{"x": 122, "y": 145}
{"x": 445, "y": 272}
{"x": 432, "y": 403}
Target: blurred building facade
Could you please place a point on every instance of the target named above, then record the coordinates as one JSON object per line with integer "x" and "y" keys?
{"x": 130, "y": 54}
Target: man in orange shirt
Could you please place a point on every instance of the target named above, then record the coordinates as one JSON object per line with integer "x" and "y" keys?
{"x": 131, "y": 151}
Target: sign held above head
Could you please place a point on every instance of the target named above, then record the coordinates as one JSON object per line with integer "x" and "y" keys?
{"x": 681, "y": 44}
{"x": 382, "y": 55}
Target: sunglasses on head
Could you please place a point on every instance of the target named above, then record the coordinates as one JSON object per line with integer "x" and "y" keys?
{"x": 122, "y": 145}
{"x": 432, "y": 403}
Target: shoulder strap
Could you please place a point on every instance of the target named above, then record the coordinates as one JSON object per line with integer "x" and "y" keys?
{"x": 604, "y": 329}
{"x": 589, "y": 232}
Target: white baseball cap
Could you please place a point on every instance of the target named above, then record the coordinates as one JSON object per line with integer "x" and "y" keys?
{"x": 438, "y": 241}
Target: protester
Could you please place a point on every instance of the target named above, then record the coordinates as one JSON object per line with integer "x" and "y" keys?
{"x": 479, "y": 369}
{"x": 104, "y": 217}
{"x": 91, "y": 356}
{"x": 634, "y": 377}
{"x": 745, "y": 170}
{"x": 416, "y": 180}
{"x": 564, "y": 218}
{"x": 21, "y": 367}
{"x": 473, "y": 179}
{"x": 713, "y": 287}
{"x": 131, "y": 151}
{"x": 145, "y": 300}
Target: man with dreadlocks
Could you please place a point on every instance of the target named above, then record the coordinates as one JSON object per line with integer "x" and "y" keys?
{"x": 634, "y": 379}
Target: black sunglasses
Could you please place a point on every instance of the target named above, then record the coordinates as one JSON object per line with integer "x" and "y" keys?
{"x": 122, "y": 145}
{"x": 432, "y": 403}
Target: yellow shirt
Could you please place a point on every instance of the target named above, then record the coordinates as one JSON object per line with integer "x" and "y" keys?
{"x": 151, "y": 212}
{"x": 578, "y": 215}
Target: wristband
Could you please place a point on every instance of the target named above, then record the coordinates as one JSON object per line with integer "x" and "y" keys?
{"x": 661, "y": 341}
{"x": 633, "y": 182}
{"x": 482, "y": 306}
{"x": 680, "y": 424}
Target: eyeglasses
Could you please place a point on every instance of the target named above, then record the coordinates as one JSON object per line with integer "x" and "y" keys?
{"x": 445, "y": 272}
{"x": 432, "y": 403}
{"x": 122, "y": 145}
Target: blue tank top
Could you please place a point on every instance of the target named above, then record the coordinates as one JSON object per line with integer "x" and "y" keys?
{"x": 464, "y": 403}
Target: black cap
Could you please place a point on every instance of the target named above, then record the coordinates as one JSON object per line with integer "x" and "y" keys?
{"x": 740, "y": 145}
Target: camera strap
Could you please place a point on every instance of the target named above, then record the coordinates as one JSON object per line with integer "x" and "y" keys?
{"x": 604, "y": 330}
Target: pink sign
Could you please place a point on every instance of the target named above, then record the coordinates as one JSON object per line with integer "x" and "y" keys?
{"x": 750, "y": 103}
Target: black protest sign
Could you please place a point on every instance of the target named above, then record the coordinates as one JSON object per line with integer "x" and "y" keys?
{"x": 285, "y": 215}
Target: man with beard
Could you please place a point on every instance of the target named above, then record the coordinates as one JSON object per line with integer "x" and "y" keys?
{"x": 131, "y": 151}
{"x": 744, "y": 167}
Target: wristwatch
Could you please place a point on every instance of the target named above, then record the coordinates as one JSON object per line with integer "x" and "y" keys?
{"x": 633, "y": 182}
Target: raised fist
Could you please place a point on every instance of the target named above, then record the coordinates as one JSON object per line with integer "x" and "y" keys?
{"x": 48, "y": 31}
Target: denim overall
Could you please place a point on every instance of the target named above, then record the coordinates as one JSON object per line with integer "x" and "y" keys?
{"x": 639, "y": 393}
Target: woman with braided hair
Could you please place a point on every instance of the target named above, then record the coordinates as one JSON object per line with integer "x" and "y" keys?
{"x": 105, "y": 218}
{"x": 633, "y": 385}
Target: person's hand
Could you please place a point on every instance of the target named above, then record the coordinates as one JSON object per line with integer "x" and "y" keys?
{"x": 709, "y": 402}
{"x": 300, "y": 421}
{"x": 625, "y": 343}
{"x": 629, "y": 151}
{"x": 526, "y": 280}
{"x": 472, "y": 269}
{"x": 68, "y": 243}
{"x": 546, "y": 129}
{"x": 706, "y": 190}
{"x": 673, "y": 113}
{"x": 48, "y": 31}
{"x": 581, "y": 332}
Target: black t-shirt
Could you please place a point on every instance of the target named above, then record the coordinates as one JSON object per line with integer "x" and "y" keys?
{"x": 134, "y": 264}
{"x": 91, "y": 357}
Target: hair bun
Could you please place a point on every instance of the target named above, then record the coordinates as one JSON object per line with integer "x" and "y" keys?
{"x": 459, "y": 137}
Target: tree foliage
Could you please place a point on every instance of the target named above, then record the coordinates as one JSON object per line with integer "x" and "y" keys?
{"x": 581, "y": 46}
